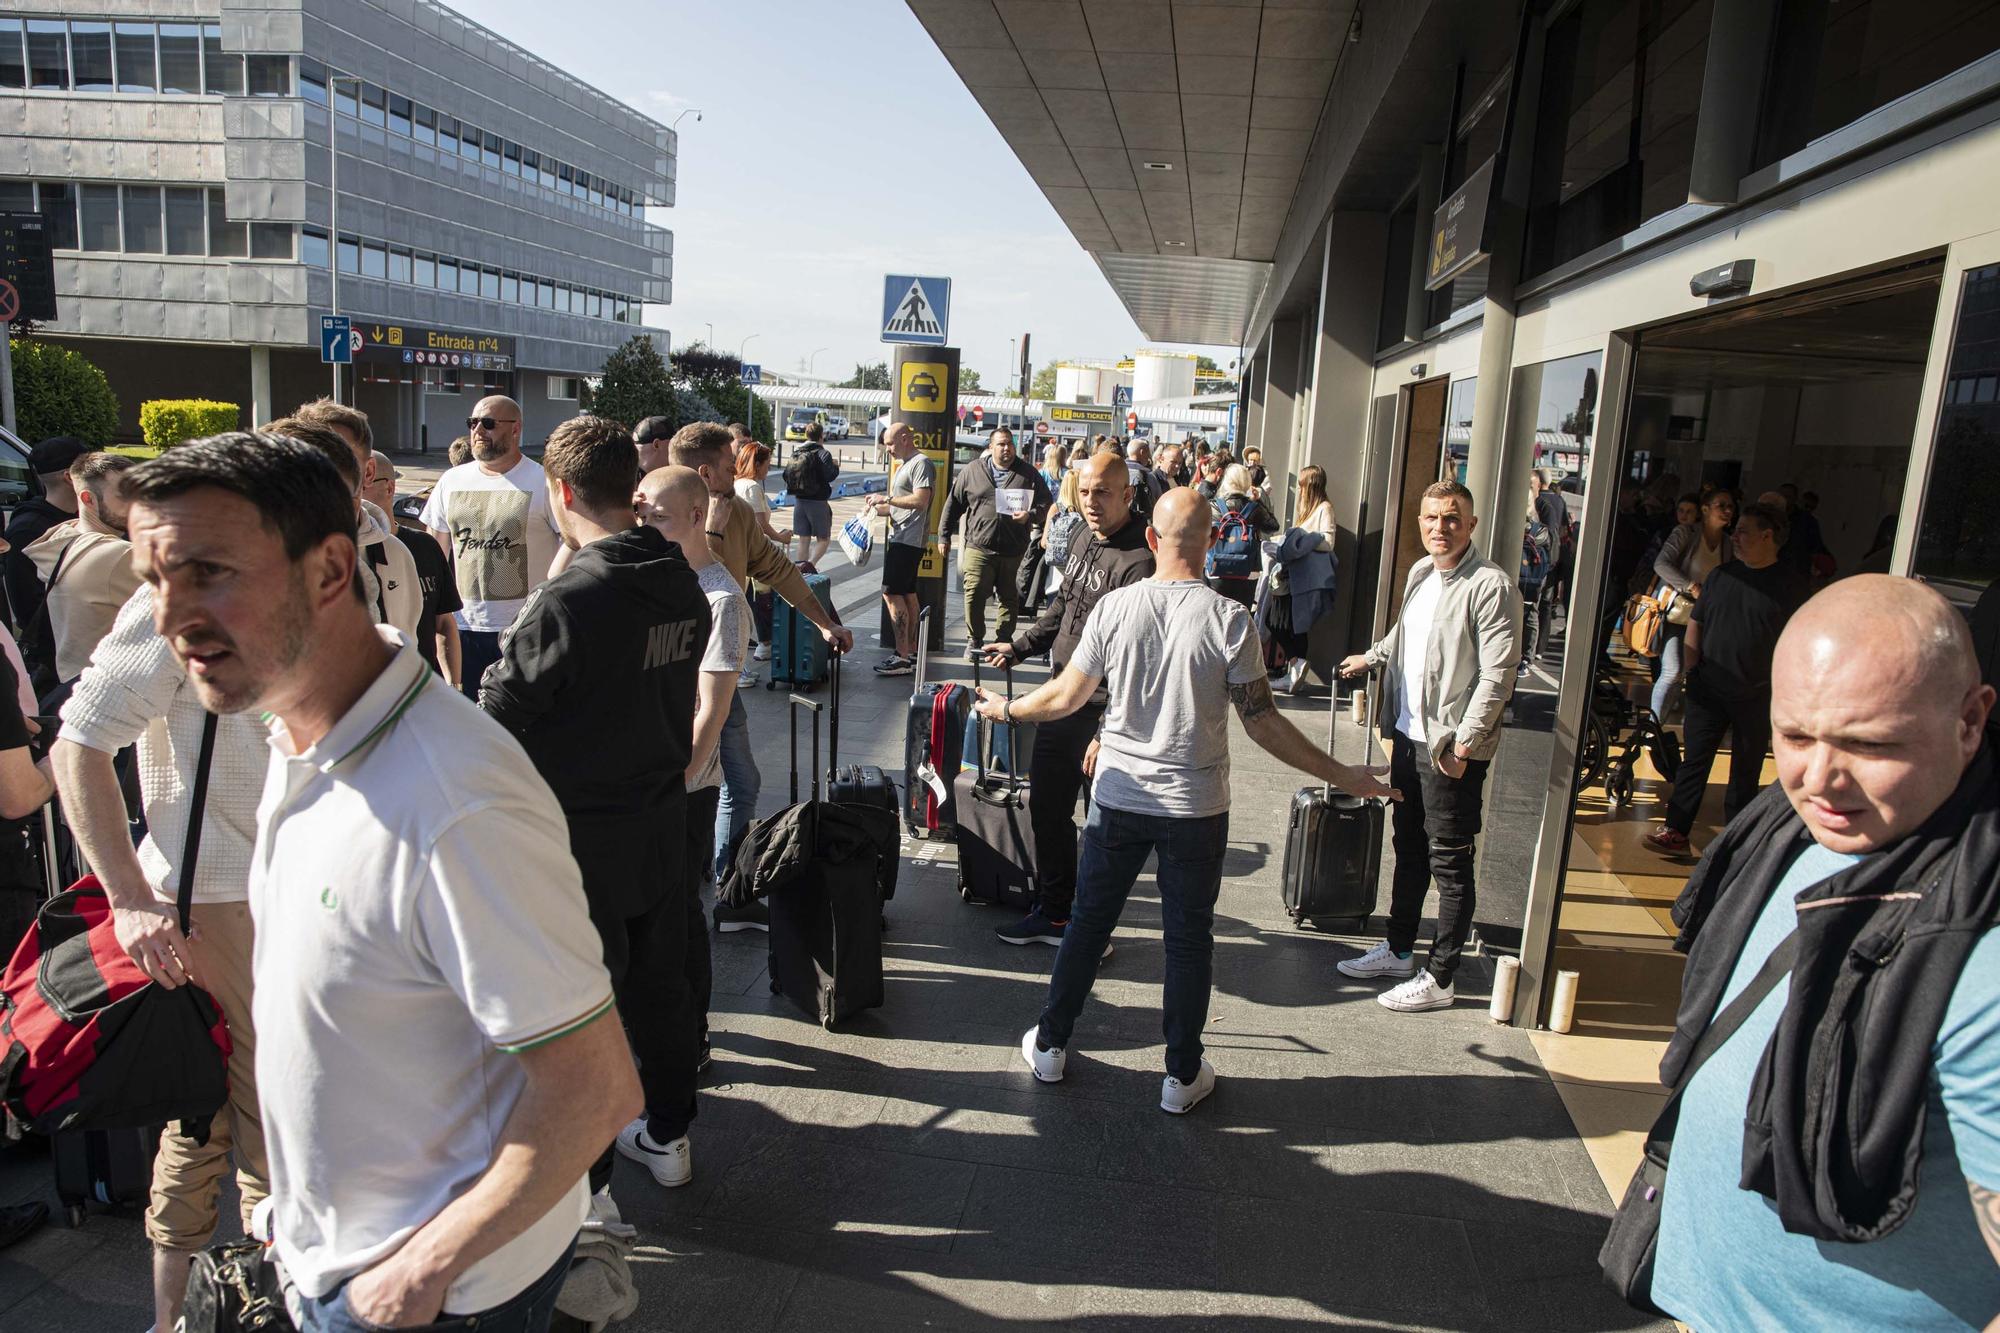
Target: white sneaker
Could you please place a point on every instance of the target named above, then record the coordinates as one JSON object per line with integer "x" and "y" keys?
{"x": 746, "y": 679}
{"x": 1047, "y": 1066}
{"x": 763, "y": 652}
{"x": 1295, "y": 677}
{"x": 1380, "y": 961}
{"x": 1178, "y": 1098}
{"x": 672, "y": 1164}
{"x": 1417, "y": 994}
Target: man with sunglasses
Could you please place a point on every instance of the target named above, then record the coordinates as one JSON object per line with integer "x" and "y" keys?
{"x": 492, "y": 518}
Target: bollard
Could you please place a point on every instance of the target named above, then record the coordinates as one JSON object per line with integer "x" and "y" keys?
{"x": 1562, "y": 1006}
{"x": 1506, "y": 975}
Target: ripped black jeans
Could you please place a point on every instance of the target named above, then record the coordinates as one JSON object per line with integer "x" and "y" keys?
{"x": 1435, "y": 826}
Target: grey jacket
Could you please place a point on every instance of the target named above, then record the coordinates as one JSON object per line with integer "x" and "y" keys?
{"x": 1469, "y": 669}
{"x": 1675, "y": 563}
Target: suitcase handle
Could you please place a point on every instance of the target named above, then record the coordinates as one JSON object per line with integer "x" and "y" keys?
{"x": 813, "y": 705}
{"x": 982, "y": 751}
{"x": 1333, "y": 718}
{"x": 833, "y": 719}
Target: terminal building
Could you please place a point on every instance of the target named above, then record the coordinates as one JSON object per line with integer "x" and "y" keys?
{"x": 492, "y": 233}
{"x": 1750, "y": 242}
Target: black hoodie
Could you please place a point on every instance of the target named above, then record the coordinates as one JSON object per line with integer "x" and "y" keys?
{"x": 597, "y": 678}
{"x": 1095, "y": 568}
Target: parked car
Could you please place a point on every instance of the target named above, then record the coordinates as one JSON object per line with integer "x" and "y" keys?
{"x": 836, "y": 428}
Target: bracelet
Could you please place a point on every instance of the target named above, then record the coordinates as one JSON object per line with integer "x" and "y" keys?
{"x": 1007, "y": 711}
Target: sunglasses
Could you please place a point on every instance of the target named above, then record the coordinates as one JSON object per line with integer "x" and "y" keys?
{"x": 489, "y": 423}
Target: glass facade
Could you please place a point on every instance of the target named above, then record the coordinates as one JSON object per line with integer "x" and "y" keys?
{"x": 1958, "y": 544}
{"x": 147, "y": 59}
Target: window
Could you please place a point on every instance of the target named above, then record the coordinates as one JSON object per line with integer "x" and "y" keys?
{"x": 489, "y": 153}
{"x": 468, "y": 141}
{"x": 374, "y": 260}
{"x": 623, "y": 311}
{"x": 583, "y": 186}
{"x": 143, "y": 232}
{"x": 564, "y": 388}
{"x": 399, "y": 115}
{"x": 180, "y": 59}
{"x": 399, "y": 266}
{"x": 90, "y": 57}
{"x": 510, "y": 158}
{"x": 13, "y": 66}
{"x": 468, "y": 279}
{"x": 1833, "y": 63}
{"x": 59, "y": 207}
{"x": 138, "y": 62}
{"x": 17, "y": 196}
{"x": 270, "y": 240}
{"x": 424, "y": 123}
{"x": 1614, "y": 144}
{"x": 48, "y": 54}
{"x": 269, "y": 76}
{"x": 424, "y": 270}
{"x": 566, "y": 181}
{"x": 531, "y": 166}
{"x": 99, "y": 217}
{"x": 548, "y": 173}
{"x": 510, "y": 288}
{"x": 489, "y": 283}
{"x": 597, "y": 305}
{"x": 344, "y": 103}
{"x": 221, "y": 72}
{"x": 1958, "y": 545}
{"x": 312, "y": 247}
{"x": 350, "y": 255}
{"x": 447, "y": 274}
{"x": 187, "y": 221}
{"x": 226, "y": 239}
{"x": 374, "y": 103}
{"x": 545, "y": 295}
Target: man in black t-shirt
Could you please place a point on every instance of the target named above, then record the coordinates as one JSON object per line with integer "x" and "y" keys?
{"x": 437, "y": 624}
{"x": 1730, "y": 641}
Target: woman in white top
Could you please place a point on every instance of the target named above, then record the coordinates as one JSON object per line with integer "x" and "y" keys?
{"x": 753, "y": 464}
{"x": 1315, "y": 515}
{"x": 1692, "y": 552}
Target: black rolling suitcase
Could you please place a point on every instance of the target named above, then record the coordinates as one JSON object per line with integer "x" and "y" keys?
{"x": 996, "y": 840}
{"x": 826, "y": 926}
{"x": 933, "y": 743}
{"x": 1333, "y": 848}
{"x": 858, "y": 784}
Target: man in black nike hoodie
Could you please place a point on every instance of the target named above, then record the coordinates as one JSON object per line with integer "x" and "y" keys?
{"x": 597, "y": 678}
{"x": 1115, "y": 555}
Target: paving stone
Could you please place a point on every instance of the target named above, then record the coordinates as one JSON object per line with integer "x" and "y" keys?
{"x": 1119, "y": 1233}
{"x": 794, "y": 1182}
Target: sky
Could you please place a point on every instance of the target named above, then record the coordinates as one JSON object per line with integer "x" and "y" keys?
{"x": 835, "y": 145}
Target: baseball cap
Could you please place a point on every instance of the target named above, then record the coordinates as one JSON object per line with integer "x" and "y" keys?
{"x": 56, "y": 453}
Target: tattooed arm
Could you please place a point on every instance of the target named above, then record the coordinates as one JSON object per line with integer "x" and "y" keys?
{"x": 1275, "y": 733}
{"x": 1986, "y": 1209}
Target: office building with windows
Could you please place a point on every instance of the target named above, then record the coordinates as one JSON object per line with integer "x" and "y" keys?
{"x": 484, "y": 225}
{"x": 1647, "y": 244}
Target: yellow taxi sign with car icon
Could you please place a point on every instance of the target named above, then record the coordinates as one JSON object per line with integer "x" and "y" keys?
{"x": 923, "y": 385}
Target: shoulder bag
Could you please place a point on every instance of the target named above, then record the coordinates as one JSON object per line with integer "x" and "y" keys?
{"x": 1630, "y": 1249}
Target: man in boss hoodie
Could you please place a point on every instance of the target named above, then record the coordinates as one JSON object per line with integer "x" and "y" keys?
{"x": 1115, "y": 555}
{"x": 1002, "y": 499}
{"x": 597, "y": 678}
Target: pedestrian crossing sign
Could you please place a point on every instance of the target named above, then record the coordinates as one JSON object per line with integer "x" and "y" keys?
{"x": 916, "y": 310}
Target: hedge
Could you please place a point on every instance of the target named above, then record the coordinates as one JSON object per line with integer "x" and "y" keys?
{"x": 165, "y": 422}
{"x": 61, "y": 392}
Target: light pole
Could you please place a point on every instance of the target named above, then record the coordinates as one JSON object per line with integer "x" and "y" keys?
{"x": 333, "y": 82}
{"x": 710, "y": 344}
{"x": 814, "y": 357}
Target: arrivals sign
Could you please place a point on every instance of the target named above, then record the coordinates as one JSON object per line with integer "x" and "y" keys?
{"x": 1458, "y": 229}
{"x": 27, "y": 263}
{"x": 416, "y": 345}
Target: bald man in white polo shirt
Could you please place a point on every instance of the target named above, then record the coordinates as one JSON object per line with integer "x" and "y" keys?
{"x": 437, "y": 1070}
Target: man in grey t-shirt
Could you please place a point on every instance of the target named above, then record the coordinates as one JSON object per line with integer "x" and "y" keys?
{"x": 1169, "y": 648}
{"x": 908, "y": 505}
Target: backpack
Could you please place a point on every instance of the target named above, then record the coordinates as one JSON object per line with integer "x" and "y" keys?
{"x": 806, "y": 476}
{"x": 1535, "y": 551}
{"x": 1063, "y": 528}
{"x": 1237, "y": 553}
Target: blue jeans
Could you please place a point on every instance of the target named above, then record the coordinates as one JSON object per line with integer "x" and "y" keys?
{"x": 528, "y": 1312}
{"x": 1115, "y": 846}
{"x": 477, "y": 650}
{"x": 1667, "y": 688}
{"x": 741, "y": 784}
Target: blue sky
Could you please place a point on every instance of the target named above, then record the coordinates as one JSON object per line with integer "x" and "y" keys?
{"x": 835, "y": 145}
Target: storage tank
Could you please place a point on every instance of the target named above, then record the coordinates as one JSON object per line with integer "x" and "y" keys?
{"x": 1157, "y": 375}
{"x": 1086, "y": 381}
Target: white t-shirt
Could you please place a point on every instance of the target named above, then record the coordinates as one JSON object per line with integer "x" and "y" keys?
{"x": 728, "y": 644}
{"x": 1169, "y": 651}
{"x": 1413, "y": 651}
{"x": 751, "y": 492}
{"x": 503, "y": 538}
{"x": 419, "y": 922}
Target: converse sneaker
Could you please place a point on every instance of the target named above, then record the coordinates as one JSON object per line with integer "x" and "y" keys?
{"x": 1178, "y": 1098}
{"x": 1419, "y": 993}
{"x": 672, "y": 1164}
{"x": 1380, "y": 961}
{"x": 1046, "y": 1065}
{"x": 752, "y": 916}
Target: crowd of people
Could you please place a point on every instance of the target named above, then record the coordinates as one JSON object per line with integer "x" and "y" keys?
{"x": 469, "y": 784}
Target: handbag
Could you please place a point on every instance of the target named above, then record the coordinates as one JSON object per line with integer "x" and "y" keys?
{"x": 1632, "y": 1245}
{"x": 234, "y": 1287}
{"x": 87, "y": 1039}
{"x": 1646, "y": 617}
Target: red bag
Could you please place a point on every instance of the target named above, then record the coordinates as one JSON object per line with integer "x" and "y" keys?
{"x": 90, "y": 1041}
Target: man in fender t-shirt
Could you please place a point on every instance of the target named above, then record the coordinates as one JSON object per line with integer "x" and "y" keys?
{"x": 492, "y": 518}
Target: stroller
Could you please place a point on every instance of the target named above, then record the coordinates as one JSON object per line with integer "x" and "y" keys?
{"x": 1615, "y": 733}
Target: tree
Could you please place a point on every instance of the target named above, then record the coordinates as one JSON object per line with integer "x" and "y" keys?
{"x": 1044, "y": 386}
{"x": 716, "y": 378}
{"x": 1206, "y": 363}
{"x": 968, "y": 380}
{"x": 867, "y": 377}
{"x": 60, "y": 392}
{"x": 635, "y": 384}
